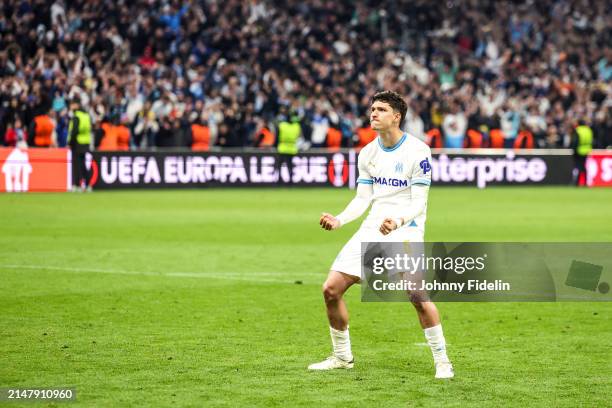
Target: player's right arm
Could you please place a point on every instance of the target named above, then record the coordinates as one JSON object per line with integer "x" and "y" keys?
{"x": 358, "y": 205}
{"x": 353, "y": 210}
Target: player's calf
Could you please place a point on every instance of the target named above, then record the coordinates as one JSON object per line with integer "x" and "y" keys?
{"x": 430, "y": 321}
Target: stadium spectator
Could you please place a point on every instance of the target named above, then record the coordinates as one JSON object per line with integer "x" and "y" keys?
{"x": 145, "y": 127}
{"x": 15, "y": 134}
{"x": 454, "y": 126}
{"x": 264, "y": 137}
{"x": 526, "y": 64}
{"x": 289, "y": 131}
{"x": 199, "y": 134}
{"x": 42, "y": 131}
{"x": 583, "y": 144}
{"x": 80, "y": 140}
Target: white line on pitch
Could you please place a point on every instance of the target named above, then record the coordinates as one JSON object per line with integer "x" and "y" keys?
{"x": 426, "y": 345}
{"x": 221, "y": 276}
{"x": 203, "y": 274}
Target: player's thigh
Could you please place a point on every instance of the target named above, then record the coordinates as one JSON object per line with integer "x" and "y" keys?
{"x": 348, "y": 260}
{"x": 409, "y": 242}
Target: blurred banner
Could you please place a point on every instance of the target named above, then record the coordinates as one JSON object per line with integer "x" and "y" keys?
{"x": 32, "y": 169}
{"x": 35, "y": 169}
{"x": 110, "y": 170}
{"x": 486, "y": 272}
{"x": 599, "y": 168}
{"x": 321, "y": 168}
{"x": 490, "y": 167}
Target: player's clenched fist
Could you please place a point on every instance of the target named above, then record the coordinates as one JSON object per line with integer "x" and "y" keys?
{"x": 387, "y": 226}
{"x": 329, "y": 222}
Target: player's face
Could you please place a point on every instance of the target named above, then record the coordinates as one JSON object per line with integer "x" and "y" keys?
{"x": 383, "y": 117}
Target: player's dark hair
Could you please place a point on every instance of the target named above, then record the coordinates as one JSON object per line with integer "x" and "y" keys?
{"x": 394, "y": 100}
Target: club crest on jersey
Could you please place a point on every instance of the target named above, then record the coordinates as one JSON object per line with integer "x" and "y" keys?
{"x": 425, "y": 166}
{"x": 399, "y": 167}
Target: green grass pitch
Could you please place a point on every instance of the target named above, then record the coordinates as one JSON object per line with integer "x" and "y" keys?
{"x": 188, "y": 298}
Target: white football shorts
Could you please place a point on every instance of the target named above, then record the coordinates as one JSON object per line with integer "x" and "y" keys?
{"x": 348, "y": 260}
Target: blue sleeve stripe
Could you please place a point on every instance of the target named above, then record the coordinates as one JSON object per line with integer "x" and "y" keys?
{"x": 365, "y": 181}
{"x": 425, "y": 182}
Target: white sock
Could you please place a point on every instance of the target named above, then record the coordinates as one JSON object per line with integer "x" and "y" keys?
{"x": 342, "y": 344}
{"x": 435, "y": 339}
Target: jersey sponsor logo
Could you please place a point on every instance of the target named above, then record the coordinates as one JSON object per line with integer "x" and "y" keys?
{"x": 399, "y": 167}
{"x": 384, "y": 181}
{"x": 425, "y": 166}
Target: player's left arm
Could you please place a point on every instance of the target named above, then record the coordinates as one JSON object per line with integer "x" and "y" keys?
{"x": 420, "y": 181}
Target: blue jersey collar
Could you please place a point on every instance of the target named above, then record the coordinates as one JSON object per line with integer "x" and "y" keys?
{"x": 392, "y": 148}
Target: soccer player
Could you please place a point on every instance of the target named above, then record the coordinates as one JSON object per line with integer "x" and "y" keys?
{"x": 397, "y": 215}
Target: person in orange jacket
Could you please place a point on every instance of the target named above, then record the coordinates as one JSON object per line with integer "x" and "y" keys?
{"x": 42, "y": 131}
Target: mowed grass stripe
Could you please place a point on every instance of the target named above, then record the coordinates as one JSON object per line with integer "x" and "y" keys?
{"x": 151, "y": 340}
{"x": 254, "y": 278}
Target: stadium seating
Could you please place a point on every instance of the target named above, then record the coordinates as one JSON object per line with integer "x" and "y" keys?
{"x": 178, "y": 65}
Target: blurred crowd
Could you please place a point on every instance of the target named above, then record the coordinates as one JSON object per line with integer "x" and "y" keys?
{"x": 475, "y": 73}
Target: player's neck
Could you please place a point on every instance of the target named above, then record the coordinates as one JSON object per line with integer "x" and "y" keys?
{"x": 391, "y": 137}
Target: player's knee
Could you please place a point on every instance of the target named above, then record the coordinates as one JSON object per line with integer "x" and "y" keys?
{"x": 331, "y": 293}
{"x": 418, "y": 302}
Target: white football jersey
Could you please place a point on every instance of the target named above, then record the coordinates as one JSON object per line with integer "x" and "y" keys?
{"x": 392, "y": 171}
